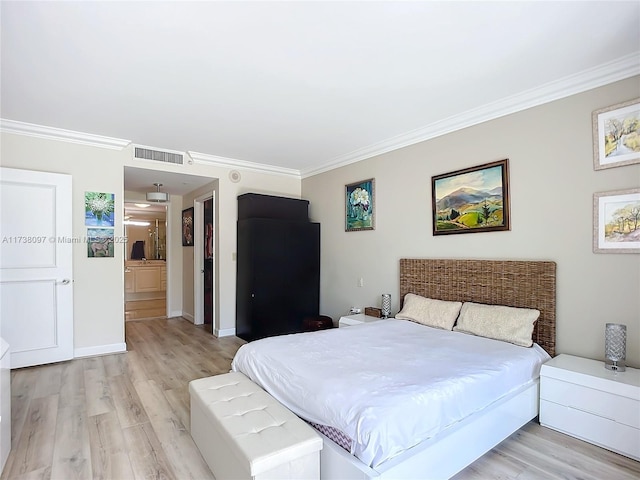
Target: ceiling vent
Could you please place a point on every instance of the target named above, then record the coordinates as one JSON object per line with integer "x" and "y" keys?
{"x": 158, "y": 155}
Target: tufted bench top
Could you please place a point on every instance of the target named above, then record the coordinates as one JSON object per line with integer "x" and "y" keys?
{"x": 258, "y": 428}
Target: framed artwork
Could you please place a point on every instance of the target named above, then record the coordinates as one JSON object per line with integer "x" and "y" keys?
{"x": 100, "y": 242}
{"x": 616, "y": 221}
{"x": 98, "y": 209}
{"x": 360, "y": 206}
{"x": 187, "y": 227}
{"x": 471, "y": 200}
{"x": 616, "y": 135}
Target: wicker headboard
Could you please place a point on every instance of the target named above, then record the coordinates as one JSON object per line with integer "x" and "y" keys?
{"x": 526, "y": 284}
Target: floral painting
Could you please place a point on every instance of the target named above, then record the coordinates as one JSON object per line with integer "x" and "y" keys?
{"x": 100, "y": 242}
{"x": 616, "y": 221}
{"x": 99, "y": 209}
{"x": 359, "y": 206}
{"x": 474, "y": 199}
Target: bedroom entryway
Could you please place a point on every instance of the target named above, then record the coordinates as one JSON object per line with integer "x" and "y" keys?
{"x": 145, "y": 263}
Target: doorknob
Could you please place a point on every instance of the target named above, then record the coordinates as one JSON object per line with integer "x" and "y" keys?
{"x": 66, "y": 281}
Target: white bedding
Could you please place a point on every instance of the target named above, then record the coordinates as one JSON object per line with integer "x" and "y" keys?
{"x": 388, "y": 384}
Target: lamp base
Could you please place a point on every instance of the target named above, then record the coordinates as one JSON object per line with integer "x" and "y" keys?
{"x": 615, "y": 366}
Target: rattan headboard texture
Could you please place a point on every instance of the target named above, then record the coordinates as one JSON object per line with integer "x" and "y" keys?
{"x": 525, "y": 284}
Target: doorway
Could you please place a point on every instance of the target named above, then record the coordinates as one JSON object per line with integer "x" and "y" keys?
{"x": 145, "y": 272}
{"x": 204, "y": 256}
{"x": 207, "y": 300}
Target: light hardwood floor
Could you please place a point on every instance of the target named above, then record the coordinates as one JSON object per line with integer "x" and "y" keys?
{"x": 126, "y": 416}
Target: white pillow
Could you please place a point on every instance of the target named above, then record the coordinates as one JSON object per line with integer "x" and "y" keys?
{"x": 509, "y": 324}
{"x": 429, "y": 311}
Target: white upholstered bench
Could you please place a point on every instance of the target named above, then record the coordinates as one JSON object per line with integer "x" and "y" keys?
{"x": 244, "y": 433}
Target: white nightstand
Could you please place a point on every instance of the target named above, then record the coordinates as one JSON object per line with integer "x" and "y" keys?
{"x": 356, "y": 319}
{"x": 581, "y": 398}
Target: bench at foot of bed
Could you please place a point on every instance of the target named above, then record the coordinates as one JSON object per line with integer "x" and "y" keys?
{"x": 244, "y": 433}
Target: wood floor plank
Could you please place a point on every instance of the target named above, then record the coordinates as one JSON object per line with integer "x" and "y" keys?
{"x": 50, "y": 381}
{"x": 179, "y": 447}
{"x": 72, "y": 452}
{"x": 109, "y": 455}
{"x": 146, "y": 454}
{"x": 72, "y": 392}
{"x": 126, "y": 401}
{"x": 34, "y": 448}
{"x": 97, "y": 392}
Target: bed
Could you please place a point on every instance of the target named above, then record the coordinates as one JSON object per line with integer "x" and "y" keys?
{"x": 384, "y": 438}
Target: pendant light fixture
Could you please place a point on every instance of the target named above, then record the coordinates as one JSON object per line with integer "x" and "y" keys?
{"x": 157, "y": 196}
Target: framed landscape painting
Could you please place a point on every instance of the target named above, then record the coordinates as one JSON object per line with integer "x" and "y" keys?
{"x": 359, "y": 206}
{"x": 616, "y": 135}
{"x": 616, "y": 221}
{"x": 471, "y": 200}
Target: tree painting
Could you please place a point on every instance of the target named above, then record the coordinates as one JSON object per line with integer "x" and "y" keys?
{"x": 622, "y": 134}
{"x": 471, "y": 200}
{"x": 622, "y": 221}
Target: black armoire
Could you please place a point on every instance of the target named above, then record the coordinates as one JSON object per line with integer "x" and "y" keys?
{"x": 278, "y": 266}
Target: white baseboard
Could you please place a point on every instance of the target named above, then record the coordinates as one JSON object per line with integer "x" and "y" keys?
{"x": 99, "y": 350}
{"x": 227, "y": 332}
{"x": 175, "y": 313}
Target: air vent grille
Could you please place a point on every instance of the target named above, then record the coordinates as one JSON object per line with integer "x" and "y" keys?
{"x": 158, "y": 156}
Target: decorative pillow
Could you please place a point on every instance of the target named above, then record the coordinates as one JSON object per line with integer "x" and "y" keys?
{"x": 429, "y": 311}
{"x": 509, "y": 324}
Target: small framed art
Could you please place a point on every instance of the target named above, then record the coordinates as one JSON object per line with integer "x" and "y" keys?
{"x": 616, "y": 135}
{"x": 360, "y": 206}
{"x": 616, "y": 221}
{"x": 187, "y": 227}
{"x": 471, "y": 200}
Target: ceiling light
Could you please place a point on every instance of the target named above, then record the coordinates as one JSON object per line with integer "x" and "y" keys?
{"x": 142, "y": 205}
{"x": 134, "y": 222}
{"x": 157, "y": 196}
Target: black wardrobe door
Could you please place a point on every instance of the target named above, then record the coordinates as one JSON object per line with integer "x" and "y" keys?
{"x": 284, "y": 267}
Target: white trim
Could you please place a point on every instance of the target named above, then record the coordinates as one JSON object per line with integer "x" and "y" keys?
{"x": 232, "y": 162}
{"x": 175, "y": 313}
{"x": 227, "y": 332}
{"x": 52, "y": 133}
{"x": 188, "y": 316}
{"x": 99, "y": 350}
{"x": 613, "y": 71}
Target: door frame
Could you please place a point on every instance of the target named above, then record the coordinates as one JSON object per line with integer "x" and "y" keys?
{"x": 198, "y": 262}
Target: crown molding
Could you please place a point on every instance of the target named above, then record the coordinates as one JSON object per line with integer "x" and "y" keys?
{"x": 235, "y": 163}
{"x": 52, "y": 133}
{"x": 619, "y": 69}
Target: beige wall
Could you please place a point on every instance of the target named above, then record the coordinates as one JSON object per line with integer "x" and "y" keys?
{"x": 552, "y": 182}
{"x": 98, "y": 292}
{"x": 226, "y": 214}
{"x": 99, "y": 283}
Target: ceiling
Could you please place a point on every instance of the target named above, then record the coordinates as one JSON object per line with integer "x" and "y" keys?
{"x": 303, "y": 86}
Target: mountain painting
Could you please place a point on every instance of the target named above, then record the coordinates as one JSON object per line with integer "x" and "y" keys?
{"x": 471, "y": 200}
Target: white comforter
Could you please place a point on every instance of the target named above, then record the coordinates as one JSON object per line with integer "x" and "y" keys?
{"x": 389, "y": 384}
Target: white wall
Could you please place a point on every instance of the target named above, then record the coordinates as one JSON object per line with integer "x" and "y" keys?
{"x": 552, "y": 182}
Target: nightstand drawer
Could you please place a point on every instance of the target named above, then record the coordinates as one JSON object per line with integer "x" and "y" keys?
{"x": 622, "y": 410}
{"x": 591, "y": 428}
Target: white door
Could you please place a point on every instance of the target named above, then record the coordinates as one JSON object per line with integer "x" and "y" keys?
{"x": 36, "y": 289}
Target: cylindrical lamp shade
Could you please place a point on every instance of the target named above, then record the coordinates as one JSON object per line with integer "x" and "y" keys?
{"x": 615, "y": 346}
{"x": 386, "y": 305}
